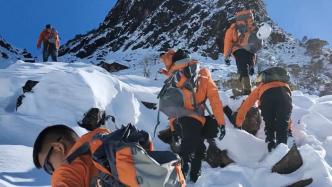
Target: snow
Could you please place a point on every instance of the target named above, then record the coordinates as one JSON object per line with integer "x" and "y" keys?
{"x": 66, "y": 91}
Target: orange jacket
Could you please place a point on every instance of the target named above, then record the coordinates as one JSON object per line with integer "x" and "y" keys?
{"x": 43, "y": 37}
{"x": 206, "y": 89}
{"x": 79, "y": 173}
{"x": 232, "y": 41}
{"x": 253, "y": 97}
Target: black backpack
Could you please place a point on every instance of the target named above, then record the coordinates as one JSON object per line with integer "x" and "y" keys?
{"x": 93, "y": 119}
{"x": 275, "y": 74}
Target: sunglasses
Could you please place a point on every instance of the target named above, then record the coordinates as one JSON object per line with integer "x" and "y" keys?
{"x": 48, "y": 167}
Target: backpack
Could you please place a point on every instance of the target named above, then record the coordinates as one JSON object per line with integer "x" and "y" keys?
{"x": 124, "y": 159}
{"x": 52, "y": 37}
{"x": 171, "y": 98}
{"x": 275, "y": 74}
{"x": 93, "y": 119}
{"x": 247, "y": 34}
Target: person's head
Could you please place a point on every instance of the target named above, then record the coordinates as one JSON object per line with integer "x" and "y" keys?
{"x": 48, "y": 27}
{"x": 52, "y": 145}
{"x": 180, "y": 55}
{"x": 166, "y": 57}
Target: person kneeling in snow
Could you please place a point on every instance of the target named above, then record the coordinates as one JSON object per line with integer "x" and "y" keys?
{"x": 275, "y": 102}
{"x": 191, "y": 86}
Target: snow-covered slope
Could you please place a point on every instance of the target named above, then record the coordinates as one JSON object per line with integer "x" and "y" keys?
{"x": 9, "y": 54}
{"x": 65, "y": 91}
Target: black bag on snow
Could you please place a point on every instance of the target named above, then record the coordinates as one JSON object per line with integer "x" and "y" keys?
{"x": 93, "y": 119}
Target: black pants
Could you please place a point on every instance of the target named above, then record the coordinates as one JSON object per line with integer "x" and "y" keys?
{"x": 50, "y": 50}
{"x": 276, "y": 107}
{"x": 190, "y": 130}
{"x": 245, "y": 62}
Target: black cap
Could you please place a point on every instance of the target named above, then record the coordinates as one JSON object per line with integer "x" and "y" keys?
{"x": 48, "y": 26}
{"x": 180, "y": 55}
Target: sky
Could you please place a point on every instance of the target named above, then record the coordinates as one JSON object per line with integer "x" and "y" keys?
{"x": 22, "y": 20}
{"x": 312, "y": 18}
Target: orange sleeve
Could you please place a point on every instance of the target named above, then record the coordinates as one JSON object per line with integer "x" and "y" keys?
{"x": 215, "y": 101}
{"x": 246, "y": 105}
{"x": 40, "y": 39}
{"x": 66, "y": 176}
{"x": 228, "y": 42}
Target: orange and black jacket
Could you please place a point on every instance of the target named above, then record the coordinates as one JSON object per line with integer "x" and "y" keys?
{"x": 232, "y": 42}
{"x": 206, "y": 89}
{"x": 82, "y": 171}
{"x": 253, "y": 97}
{"x": 43, "y": 37}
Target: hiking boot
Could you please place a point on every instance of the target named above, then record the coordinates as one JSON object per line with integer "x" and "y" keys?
{"x": 194, "y": 176}
{"x": 271, "y": 145}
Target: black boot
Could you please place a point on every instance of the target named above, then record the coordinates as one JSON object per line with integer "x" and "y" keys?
{"x": 271, "y": 145}
{"x": 195, "y": 170}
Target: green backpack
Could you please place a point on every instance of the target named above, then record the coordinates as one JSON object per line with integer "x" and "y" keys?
{"x": 275, "y": 74}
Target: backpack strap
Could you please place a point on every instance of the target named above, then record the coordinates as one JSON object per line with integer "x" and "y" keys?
{"x": 83, "y": 149}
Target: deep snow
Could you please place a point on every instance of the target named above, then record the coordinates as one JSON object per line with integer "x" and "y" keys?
{"x": 67, "y": 91}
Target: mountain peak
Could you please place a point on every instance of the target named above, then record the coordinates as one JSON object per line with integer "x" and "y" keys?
{"x": 159, "y": 24}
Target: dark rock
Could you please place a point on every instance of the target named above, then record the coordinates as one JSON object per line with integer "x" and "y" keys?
{"x": 29, "y": 85}
{"x": 302, "y": 183}
{"x": 277, "y": 37}
{"x": 19, "y": 101}
{"x": 252, "y": 122}
{"x": 216, "y": 157}
{"x": 4, "y": 55}
{"x": 315, "y": 46}
{"x": 114, "y": 67}
{"x": 291, "y": 162}
{"x": 149, "y": 105}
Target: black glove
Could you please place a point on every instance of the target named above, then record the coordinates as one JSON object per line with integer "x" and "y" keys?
{"x": 227, "y": 61}
{"x": 222, "y": 131}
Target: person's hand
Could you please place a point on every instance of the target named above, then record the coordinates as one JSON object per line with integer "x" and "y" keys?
{"x": 222, "y": 131}
{"x": 227, "y": 61}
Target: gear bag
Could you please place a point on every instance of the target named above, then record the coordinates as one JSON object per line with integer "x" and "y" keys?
{"x": 171, "y": 98}
{"x": 246, "y": 32}
{"x": 274, "y": 74}
{"x": 122, "y": 160}
{"x": 93, "y": 119}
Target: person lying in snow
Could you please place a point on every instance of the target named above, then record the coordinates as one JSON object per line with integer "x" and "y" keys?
{"x": 191, "y": 86}
{"x": 275, "y": 101}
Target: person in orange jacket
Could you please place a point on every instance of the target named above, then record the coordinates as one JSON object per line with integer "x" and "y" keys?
{"x": 51, "y": 43}
{"x": 190, "y": 127}
{"x": 50, "y": 150}
{"x": 236, "y": 42}
{"x": 275, "y": 102}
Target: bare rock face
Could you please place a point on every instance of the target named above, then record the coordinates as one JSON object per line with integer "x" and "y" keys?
{"x": 160, "y": 24}
{"x": 315, "y": 46}
{"x": 8, "y": 52}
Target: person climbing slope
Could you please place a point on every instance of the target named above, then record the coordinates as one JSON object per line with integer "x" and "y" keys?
{"x": 183, "y": 99}
{"x": 49, "y": 37}
{"x": 275, "y": 101}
